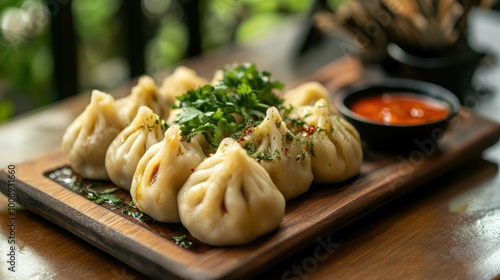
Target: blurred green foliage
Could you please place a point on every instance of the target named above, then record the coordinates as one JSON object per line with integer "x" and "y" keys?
{"x": 333, "y": 4}
{"x": 25, "y": 57}
{"x": 26, "y": 66}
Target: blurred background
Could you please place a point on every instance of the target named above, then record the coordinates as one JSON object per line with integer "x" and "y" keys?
{"x": 51, "y": 49}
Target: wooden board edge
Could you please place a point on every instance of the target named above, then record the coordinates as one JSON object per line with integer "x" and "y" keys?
{"x": 489, "y": 135}
{"x": 39, "y": 194}
{"x": 288, "y": 245}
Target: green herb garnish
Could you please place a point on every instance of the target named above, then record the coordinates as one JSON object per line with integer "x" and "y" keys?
{"x": 135, "y": 213}
{"x": 75, "y": 186}
{"x": 243, "y": 92}
{"x": 106, "y": 196}
{"x": 297, "y": 122}
{"x": 181, "y": 241}
{"x": 265, "y": 156}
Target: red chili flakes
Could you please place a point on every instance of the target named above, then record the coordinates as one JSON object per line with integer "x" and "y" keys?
{"x": 308, "y": 130}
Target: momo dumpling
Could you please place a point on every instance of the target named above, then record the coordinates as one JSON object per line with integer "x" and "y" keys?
{"x": 217, "y": 77}
{"x": 161, "y": 172}
{"x": 88, "y": 137}
{"x": 230, "y": 199}
{"x": 305, "y": 94}
{"x": 333, "y": 143}
{"x": 281, "y": 154}
{"x": 179, "y": 82}
{"x": 129, "y": 146}
{"x": 145, "y": 93}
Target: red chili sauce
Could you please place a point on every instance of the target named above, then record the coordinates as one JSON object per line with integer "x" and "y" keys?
{"x": 400, "y": 109}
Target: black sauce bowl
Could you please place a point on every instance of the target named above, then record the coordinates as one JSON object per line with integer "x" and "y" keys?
{"x": 392, "y": 137}
{"x": 453, "y": 70}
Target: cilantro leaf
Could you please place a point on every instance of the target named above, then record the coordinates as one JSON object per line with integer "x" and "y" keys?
{"x": 243, "y": 93}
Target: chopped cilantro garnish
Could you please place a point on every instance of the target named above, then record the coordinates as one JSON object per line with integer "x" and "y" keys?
{"x": 135, "y": 213}
{"x": 266, "y": 156}
{"x": 297, "y": 122}
{"x": 289, "y": 136}
{"x": 105, "y": 196}
{"x": 211, "y": 110}
{"x": 75, "y": 186}
{"x": 181, "y": 241}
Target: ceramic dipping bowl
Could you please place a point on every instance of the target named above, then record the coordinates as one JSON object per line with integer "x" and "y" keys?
{"x": 394, "y": 114}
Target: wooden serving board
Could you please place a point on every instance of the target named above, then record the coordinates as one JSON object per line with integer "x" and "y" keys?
{"x": 147, "y": 246}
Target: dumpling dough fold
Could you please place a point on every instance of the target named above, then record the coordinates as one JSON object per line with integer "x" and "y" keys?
{"x": 230, "y": 199}
{"x": 333, "y": 143}
{"x": 129, "y": 146}
{"x": 179, "y": 82}
{"x": 281, "y": 154}
{"x": 88, "y": 137}
{"x": 145, "y": 93}
{"x": 160, "y": 174}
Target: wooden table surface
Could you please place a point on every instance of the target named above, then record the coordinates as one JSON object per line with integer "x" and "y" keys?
{"x": 446, "y": 229}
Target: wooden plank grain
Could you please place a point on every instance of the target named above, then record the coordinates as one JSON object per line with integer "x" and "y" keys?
{"x": 131, "y": 244}
{"x": 322, "y": 210}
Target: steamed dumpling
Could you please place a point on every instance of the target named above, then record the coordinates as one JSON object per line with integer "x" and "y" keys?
{"x": 217, "y": 77}
{"x": 230, "y": 199}
{"x": 88, "y": 137}
{"x": 130, "y": 145}
{"x": 145, "y": 93}
{"x": 333, "y": 143}
{"x": 305, "y": 94}
{"x": 160, "y": 174}
{"x": 179, "y": 82}
{"x": 281, "y": 154}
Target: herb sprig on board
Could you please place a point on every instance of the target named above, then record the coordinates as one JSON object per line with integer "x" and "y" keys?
{"x": 216, "y": 111}
{"x": 182, "y": 241}
{"x": 135, "y": 213}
